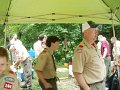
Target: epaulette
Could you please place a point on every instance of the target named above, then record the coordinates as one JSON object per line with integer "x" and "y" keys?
{"x": 11, "y": 72}
{"x": 44, "y": 51}
{"x": 80, "y": 46}
{"x": 93, "y": 44}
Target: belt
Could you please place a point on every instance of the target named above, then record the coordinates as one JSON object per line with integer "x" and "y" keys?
{"x": 55, "y": 78}
{"x": 96, "y": 82}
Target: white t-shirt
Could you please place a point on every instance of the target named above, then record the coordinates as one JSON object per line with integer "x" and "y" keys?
{"x": 21, "y": 52}
{"x": 38, "y": 48}
{"x": 17, "y": 41}
{"x": 116, "y": 49}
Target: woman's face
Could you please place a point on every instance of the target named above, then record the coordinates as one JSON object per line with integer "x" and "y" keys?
{"x": 3, "y": 64}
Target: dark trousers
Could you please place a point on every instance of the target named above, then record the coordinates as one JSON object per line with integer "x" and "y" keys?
{"x": 52, "y": 81}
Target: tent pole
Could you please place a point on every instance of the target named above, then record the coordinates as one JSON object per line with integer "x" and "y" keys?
{"x": 113, "y": 28}
{"x": 5, "y": 37}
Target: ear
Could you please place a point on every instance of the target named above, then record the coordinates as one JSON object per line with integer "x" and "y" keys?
{"x": 52, "y": 43}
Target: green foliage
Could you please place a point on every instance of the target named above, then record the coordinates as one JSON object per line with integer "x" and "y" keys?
{"x": 28, "y": 34}
{"x": 1, "y": 35}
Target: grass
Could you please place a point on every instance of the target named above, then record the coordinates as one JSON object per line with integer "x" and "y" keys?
{"x": 35, "y": 83}
{"x": 66, "y": 82}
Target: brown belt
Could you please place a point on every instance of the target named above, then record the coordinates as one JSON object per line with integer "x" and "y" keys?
{"x": 96, "y": 82}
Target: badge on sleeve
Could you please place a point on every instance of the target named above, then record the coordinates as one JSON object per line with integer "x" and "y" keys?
{"x": 8, "y": 85}
{"x": 9, "y": 79}
{"x": 11, "y": 72}
{"x": 80, "y": 46}
{"x": 44, "y": 51}
{"x": 79, "y": 50}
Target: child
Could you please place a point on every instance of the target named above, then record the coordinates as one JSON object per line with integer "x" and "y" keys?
{"x": 8, "y": 80}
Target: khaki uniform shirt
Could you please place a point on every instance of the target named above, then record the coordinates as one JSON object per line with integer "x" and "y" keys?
{"x": 8, "y": 81}
{"x": 87, "y": 60}
{"x": 45, "y": 64}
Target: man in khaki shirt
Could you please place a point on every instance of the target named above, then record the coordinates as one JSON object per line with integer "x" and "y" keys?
{"x": 45, "y": 65}
{"x": 8, "y": 80}
{"x": 88, "y": 65}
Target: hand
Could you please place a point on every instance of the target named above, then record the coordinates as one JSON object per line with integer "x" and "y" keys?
{"x": 87, "y": 88}
{"x": 47, "y": 85}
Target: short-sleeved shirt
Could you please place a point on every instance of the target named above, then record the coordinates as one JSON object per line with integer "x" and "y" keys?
{"x": 8, "y": 81}
{"x": 105, "y": 44}
{"x": 38, "y": 48}
{"x": 116, "y": 49}
{"x": 45, "y": 64}
{"x": 88, "y": 61}
{"x": 21, "y": 52}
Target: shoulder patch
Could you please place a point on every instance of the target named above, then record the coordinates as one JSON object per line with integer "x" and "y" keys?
{"x": 11, "y": 72}
{"x": 80, "y": 46}
{"x": 9, "y": 79}
{"x": 44, "y": 51}
{"x": 8, "y": 86}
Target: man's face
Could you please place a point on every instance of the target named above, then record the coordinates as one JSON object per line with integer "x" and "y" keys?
{"x": 12, "y": 48}
{"x": 93, "y": 33}
{"x": 15, "y": 36}
{"x": 45, "y": 38}
{"x": 55, "y": 45}
{"x": 3, "y": 64}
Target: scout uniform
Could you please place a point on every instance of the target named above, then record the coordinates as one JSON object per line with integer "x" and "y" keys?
{"x": 46, "y": 64}
{"x": 87, "y": 60}
{"x": 8, "y": 81}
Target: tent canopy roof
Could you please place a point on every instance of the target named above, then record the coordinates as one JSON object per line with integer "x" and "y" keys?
{"x": 59, "y": 11}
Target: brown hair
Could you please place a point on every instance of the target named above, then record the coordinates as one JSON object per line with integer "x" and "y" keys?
{"x": 4, "y": 53}
{"x": 51, "y": 39}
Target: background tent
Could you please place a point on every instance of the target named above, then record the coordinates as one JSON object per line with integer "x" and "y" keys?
{"x": 59, "y": 11}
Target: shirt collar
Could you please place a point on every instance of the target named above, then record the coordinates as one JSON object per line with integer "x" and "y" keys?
{"x": 6, "y": 72}
{"x": 49, "y": 50}
{"x": 88, "y": 44}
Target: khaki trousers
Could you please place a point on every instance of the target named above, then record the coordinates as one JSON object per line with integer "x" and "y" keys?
{"x": 97, "y": 86}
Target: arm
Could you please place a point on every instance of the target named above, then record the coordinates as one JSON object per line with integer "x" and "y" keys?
{"x": 42, "y": 79}
{"x": 105, "y": 53}
{"x": 81, "y": 81}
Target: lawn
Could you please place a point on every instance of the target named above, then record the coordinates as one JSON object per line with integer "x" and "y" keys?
{"x": 65, "y": 83}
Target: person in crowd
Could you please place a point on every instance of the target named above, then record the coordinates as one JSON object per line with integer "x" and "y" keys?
{"x": 8, "y": 80}
{"x": 45, "y": 66}
{"x": 88, "y": 65}
{"x": 39, "y": 45}
{"x": 14, "y": 41}
{"x": 23, "y": 58}
{"x": 99, "y": 42}
{"x": 106, "y": 55}
{"x": 116, "y": 55}
{"x": 116, "y": 47}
